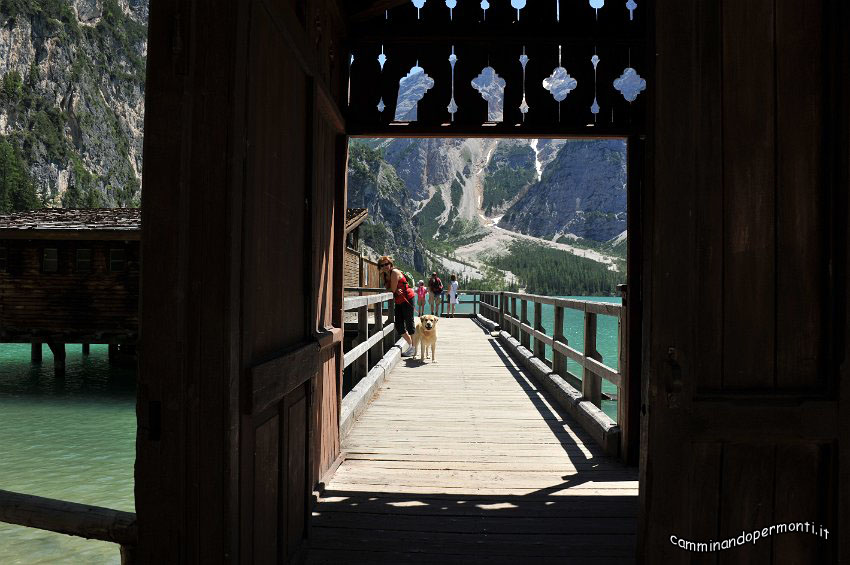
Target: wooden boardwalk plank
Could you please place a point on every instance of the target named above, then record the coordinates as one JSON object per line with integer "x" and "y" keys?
{"x": 467, "y": 460}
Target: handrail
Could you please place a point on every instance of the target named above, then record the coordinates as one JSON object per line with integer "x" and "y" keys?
{"x": 71, "y": 518}
{"x": 500, "y": 307}
{"x": 371, "y": 342}
{"x": 354, "y": 302}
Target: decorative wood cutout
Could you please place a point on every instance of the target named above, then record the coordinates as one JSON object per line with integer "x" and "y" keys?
{"x": 419, "y": 5}
{"x": 523, "y": 60}
{"x": 452, "y": 105}
{"x": 519, "y": 5}
{"x": 485, "y": 5}
{"x": 559, "y": 83}
{"x": 492, "y": 89}
{"x": 631, "y": 5}
{"x": 594, "y": 108}
{"x": 382, "y": 58}
{"x": 630, "y": 84}
{"x": 451, "y": 5}
{"x": 596, "y": 4}
{"x": 411, "y": 89}
{"x": 350, "y": 64}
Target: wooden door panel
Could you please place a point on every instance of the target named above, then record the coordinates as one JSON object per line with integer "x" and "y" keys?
{"x": 801, "y": 258}
{"x": 757, "y": 159}
{"x": 748, "y": 195}
{"x": 266, "y": 490}
{"x": 295, "y": 503}
{"x": 276, "y": 259}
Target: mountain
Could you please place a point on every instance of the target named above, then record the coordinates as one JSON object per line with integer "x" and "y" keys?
{"x": 511, "y": 169}
{"x": 582, "y": 192}
{"x": 72, "y": 101}
{"x": 389, "y": 228}
{"x": 476, "y": 207}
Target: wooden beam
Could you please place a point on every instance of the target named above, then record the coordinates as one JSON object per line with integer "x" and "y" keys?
{"x": 274, "y": 379}
{"x": 70, "y": 518}
{"x": 375, "y": 8}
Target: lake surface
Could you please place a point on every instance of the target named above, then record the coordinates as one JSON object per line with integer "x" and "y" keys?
{"x": 71, "y": 439}
{"x": 74, "y": 438}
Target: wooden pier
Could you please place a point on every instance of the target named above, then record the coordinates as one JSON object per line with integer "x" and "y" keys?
{"x": 467, "y": 459}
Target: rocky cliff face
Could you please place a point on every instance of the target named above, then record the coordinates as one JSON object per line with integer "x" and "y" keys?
{"x": 389, "y": 228}
{"x": 72, "y": 100}
{"x": 581, "y": 192}
{"x": 421, "y": 163}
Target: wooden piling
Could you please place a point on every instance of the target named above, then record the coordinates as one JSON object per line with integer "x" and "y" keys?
{"x": 58, "y": 350}
{"x": 35, "y": 352}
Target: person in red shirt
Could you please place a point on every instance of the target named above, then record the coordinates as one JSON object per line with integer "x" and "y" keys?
{"x": 435, "y": 287}
{"x": 395, "y": 281}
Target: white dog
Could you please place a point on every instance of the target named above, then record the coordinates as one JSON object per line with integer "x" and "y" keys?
{"x": 425, "y": 336}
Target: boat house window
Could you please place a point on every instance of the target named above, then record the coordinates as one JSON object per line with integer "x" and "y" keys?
{"x": 116, "y": 260}
{"x": 3, "y": 258}
{"x": 83, "y": 260}
{"x": 50, "y": 260}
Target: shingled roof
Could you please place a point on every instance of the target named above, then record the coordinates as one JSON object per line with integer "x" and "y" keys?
{"x": 354, "y": 217}
{"x": 72, "y": 223}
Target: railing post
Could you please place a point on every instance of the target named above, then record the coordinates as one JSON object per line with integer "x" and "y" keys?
{"x": 502, "y": 310}
{"x": 524, "y": 339}
{"x": 475, "y": 304}
{"x": 591, "y": 384}
{"x": 360, "y": 367}
{"x": 539, "y": 346}
{"x": 389, "y": 340}
{"x": 514, "y": 328}
{"x": 559, "y": 360}
{"x": 623, "y": 392}
{"x": 377, "y": 352}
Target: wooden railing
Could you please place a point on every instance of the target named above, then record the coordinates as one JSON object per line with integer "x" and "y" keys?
{"x": 71, "y": 518}
{"x": 368, "y": 342}
{"x": 501, "y": 308}
{"x": 474, "y": 294}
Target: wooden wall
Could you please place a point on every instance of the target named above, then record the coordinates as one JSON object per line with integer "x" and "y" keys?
{"x": 241, "y": 334}
{"x": 352, "y": 268}
{"x": 98, "y": 306}
{"x": 745, "y": 281}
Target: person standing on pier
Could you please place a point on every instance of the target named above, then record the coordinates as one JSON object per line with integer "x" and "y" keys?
{"x": 421, "y": 292}
{"x": 395, "y": 281}
{"x": 453, "y": 296}
{"x": 435, "y": 287}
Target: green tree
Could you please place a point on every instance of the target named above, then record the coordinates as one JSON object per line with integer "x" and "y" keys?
{"x": 17, "y": 190}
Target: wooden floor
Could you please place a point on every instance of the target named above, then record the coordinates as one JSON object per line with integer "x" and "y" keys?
{"x": 465, "y": 460}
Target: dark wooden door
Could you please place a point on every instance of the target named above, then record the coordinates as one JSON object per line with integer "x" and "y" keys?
{"x": 745, "y": 324}
{"x": 243, "y": 212}
{"x": 291, "y": 330}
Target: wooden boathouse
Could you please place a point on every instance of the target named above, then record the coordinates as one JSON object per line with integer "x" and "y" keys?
{"x": 70, "y": 276}
{"x": 735, "y": 387}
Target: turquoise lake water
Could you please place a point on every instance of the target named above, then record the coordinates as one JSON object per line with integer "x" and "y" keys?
{"x": 74, "y": 438}
{"x": 71, "y": 439}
